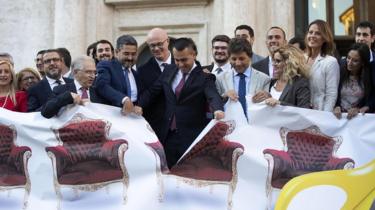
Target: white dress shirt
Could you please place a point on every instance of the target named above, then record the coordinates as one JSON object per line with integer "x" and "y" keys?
{"x": 270, "y": 67}
{"x": 178, "y": 77}
{"x": 168, "y": 61}
{"x": 79, "y": 90}
{"x": 52, "y": 82}
{"x": 226, "y": 67}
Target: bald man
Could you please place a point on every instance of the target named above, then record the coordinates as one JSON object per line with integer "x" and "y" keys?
{"x": 158, "y": 42}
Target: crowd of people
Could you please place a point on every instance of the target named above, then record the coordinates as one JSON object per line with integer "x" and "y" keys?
{"x": 178, "y": 96}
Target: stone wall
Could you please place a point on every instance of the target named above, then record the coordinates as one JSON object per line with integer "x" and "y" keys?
{"x": 28, "y": 26}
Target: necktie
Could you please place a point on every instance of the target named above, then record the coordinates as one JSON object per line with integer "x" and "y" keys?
{"x": 177, "y": 93}
{"x": 242, "y": 92}
{"x": 180, "y": 85}
{"x": 219, "y": 70}
{"x": 127, "y": 82}
{"x": 84, "y": 93}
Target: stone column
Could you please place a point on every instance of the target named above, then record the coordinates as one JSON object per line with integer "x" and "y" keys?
{"x": 69, "y": 26}
{"x": 26, "y": 27}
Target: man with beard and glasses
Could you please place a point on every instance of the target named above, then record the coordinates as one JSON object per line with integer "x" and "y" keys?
{"x": 275, "y": 38}
{"x": 158, "y": 42}
{"x": 40, "y": 92}
{"x": 117, "y": 81}
{"x": 220, "y": 54}
{"x": 103, "y": 51}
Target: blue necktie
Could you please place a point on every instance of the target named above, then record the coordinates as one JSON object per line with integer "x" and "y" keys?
{"x": 127, "y": 81}
{"x": 242, "y": 92}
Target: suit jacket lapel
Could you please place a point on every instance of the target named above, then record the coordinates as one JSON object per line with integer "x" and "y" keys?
{"x": 285, "y": 91}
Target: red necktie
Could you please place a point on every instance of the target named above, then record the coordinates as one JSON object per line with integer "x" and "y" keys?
{"x": 84, "y": 93}
{"x": 177, "y": 92}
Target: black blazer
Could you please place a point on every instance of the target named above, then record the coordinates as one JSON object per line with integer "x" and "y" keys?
{"x": 296, "y": 93}
{"x": 209, "y": 67}
{"x": 148, "y": 74}
{"x": 190, "y": 107}
{"x": 262, "y": 65}
{"x": 61, "y": 97}
{"x": 38, "y": 94}
{"x": 110, "y": 82}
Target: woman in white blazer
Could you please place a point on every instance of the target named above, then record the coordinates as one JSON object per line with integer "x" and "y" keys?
{"x": 325, "y": 70}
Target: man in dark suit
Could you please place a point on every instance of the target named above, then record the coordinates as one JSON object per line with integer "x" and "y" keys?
{"x": 220, "y": 54}
{"x": 246, "y": 32}
{"x": 365, "y": 33}
{"x": 40, "y": 92}
{"x": 275, "y": 38}
{"x": 186, "y": 89}
{"x": 117, "y": 81}
{"x": 158, "y": 42}
{"x": 78, "y": 92}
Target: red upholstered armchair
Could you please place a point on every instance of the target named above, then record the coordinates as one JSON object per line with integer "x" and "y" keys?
{"x": 305, "y": 151}
{"x": 86, "y": 159}
{"x": 213, "y": 160}
{"x": 13, "y": 163}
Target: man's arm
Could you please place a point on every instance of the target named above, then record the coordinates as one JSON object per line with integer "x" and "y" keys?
{"x": 55, "y": 103}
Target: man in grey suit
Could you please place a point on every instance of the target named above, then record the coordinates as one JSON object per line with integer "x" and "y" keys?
{"x": 246, "y": 32}
{"x": 242, "y": 80}
{"x": 275, "y": 38}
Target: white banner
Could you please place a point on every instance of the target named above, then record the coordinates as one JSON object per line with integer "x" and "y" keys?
{"x": 143, "y": 192}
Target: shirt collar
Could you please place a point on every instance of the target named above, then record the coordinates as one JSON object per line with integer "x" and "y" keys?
{"x": 168, "y": 61}
{"x": 77, "y": 84}
{"x": 247, "y": 72}
{"x": 223, "y": 67}
{"x": 53, "y": 81}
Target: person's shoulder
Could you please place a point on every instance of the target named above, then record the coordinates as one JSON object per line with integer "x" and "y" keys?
{"x": 260, "y": 62}
{"x": 260, "y": 74}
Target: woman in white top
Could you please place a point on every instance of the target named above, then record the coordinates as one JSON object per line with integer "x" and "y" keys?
{"x": 325, "y": 70}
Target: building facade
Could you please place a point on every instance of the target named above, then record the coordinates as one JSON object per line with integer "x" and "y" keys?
{"x": 30, "y": 26}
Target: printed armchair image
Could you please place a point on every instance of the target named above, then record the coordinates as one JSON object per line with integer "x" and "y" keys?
{"x": 305, "y": 151}
{"x": 86, "y": 159}
{"x": 213, "y": 160}
{"x": 13, "y": 163}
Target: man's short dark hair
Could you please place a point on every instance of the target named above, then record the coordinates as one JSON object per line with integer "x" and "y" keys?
{"x": 279, "y": 28}
{"x": 238, "y": 45}
{"x": 183, "y": 43}
{"x": 91, "y": 46}
{"x": 246, "y": 27}
{"x": 220, "y": 38}
{"x": 40, "y": 52}
{"x": 125, "y": 40}
{"x": 52, "y": 50}
{"x": 298, "y": 40}
{"x": 65, "y": 54}
{"x": 366, "y": 24}
{"x": 103, "y": 41}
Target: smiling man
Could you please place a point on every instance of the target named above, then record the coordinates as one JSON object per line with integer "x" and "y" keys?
{"x": 220, "y": 55}
{"x": 242, "y": 79}
{"x": 158, "y": 42}
{"x": 103, "y": 51}
{"x": 275, "y": 38}
{"x": 78, "y": 92}
{"x": 39, "y": 93}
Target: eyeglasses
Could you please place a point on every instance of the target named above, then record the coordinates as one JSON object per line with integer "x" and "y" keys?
{"x": 157, "y": 45}
{"x": 49, "y": 61}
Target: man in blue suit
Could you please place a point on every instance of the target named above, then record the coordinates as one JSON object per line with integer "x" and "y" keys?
{"x": 158, "y": 42}
{"x": 117, "y": 81}
{"x": 186, "y": 89}
{"x": 365, "y": 33}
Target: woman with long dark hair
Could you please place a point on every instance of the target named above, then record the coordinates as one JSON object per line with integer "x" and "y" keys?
{"x": 355, "y": 87}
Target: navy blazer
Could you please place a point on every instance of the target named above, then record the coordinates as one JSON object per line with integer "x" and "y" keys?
{"x": 110, "y": 82}
{"x": 148, "y": 74}
{"x": 61, "y": 97}
{"x": 262, "y": 65}
{"x": 38, "y": 94}
{"x": 190, "y": 107}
